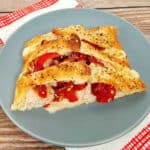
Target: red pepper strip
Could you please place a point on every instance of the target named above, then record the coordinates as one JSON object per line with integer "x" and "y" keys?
{"x": 79, "y": 87}
{"x": 87, "y": 58}
{"x": 46, "y": 105}
{"x": 104, "y": 92}
{"x": 67, "y": 90}
{"x": 71, "y": 96}
{"x": 39, "y": 64}
{"x": 94, "y": 45}
{"x": 44, "y": 42}
{"x": 57, "y": 99}
{"x": 41, "y": 90}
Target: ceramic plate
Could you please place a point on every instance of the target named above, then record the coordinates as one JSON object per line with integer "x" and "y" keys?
{"x": 86, "y": 125}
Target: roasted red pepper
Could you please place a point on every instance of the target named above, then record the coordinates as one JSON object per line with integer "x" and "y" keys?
{"x": 41, "y": 90}
{"x": 67, "y": 90}
{"x": 46, "y": 105}
{"x": 39, "y": 63}
{"x": 104, "y": 92}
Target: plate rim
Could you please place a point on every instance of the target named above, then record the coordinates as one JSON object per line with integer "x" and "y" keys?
{"x": 46, "y": 140}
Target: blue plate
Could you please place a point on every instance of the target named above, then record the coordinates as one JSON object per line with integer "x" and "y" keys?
{"x": 86, "y": 125}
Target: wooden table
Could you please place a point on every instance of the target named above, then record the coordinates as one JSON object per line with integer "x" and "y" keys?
{"x": 135, "y": 11}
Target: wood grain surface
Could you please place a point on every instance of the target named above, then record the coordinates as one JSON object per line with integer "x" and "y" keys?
{"x": 11, "y": 5}
{"x": 115, "y": 3}
{"x": 135, "y": 11}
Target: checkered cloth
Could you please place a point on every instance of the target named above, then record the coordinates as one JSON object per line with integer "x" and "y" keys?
{"x": 141, "y": 141}
{"x": 20, "y": 14}
{"x": 12, "y": 21}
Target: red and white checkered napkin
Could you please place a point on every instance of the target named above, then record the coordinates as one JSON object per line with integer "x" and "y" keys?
{"x": 137, "y": 139}
{"x": 11, "y": 22}
{"x": 140, "y": 141}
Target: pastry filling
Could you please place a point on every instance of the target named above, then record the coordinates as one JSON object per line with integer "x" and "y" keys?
{"x": 67, "y": 90}
{"x": 103, "y": 92}
{"x": 50, "y": 59}
{"x": 41, "y": 90}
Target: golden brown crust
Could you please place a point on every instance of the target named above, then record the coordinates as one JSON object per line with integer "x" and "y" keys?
{"x": 38, "y": 39}
{"x": 104, "y": 36}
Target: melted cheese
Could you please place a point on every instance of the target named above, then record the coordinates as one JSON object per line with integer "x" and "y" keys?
{"x": 32, "y": 44}
{"x": 28, "y": 50}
